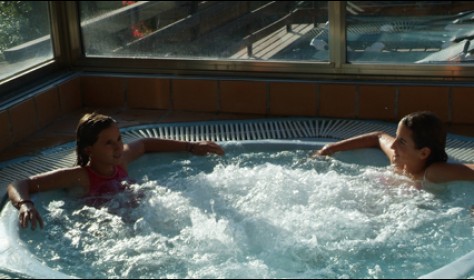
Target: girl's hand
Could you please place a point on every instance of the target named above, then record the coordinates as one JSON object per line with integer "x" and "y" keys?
{"x": 29, "y": 214}
{"x": 205, "y": 147}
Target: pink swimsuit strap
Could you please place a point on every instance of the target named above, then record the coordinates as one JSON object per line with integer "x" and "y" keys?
{"x": 100, "y": 185}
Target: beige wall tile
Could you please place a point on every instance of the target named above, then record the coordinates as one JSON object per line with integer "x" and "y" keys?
{"x": 377, "y": 102}
{"x": 148, "y": 93}
{"x": 24, "y": 119}
{"x": 419, "y": 98}
{"x": 47, "y": 106}
{"x": 293, "y": 99}
{"x": 5, "y": 131}
{"x": 195, "y": 95}
{"x": 337, "y": 101}
{"x": 463, "y": 105}
{"x": 103, "y": 91}
{"x": 70, "y": 98}
{"x": 243, "y": 97}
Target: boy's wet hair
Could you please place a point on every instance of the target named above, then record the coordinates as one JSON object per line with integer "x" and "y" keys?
{"x": 87, "y": 133}
{"x": 428, "y": 131}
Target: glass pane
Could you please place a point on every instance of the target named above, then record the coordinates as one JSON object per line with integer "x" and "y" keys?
{"x": 410, "y": 31}
{"x": 25, "y": 39}
{"x": 238, "y": 30}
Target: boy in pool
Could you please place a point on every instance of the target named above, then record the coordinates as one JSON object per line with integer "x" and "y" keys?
{"x": 102, "y": 160}
{"x": 418, "y": 151}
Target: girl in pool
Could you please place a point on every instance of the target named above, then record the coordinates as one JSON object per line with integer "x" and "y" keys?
{"x": 418, "y": 151}
{"x": 102, "y": 160}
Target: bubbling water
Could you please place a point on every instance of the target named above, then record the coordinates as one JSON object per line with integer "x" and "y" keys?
{"x": 256, "y": 215}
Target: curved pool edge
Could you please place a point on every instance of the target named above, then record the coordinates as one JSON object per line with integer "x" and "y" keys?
{"x": 12, "y": 252}
{"x": 458, "y": 269}
{"x": 15, "y": 259}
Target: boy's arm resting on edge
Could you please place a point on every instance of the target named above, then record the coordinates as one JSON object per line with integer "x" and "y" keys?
{"x": 376, "y": 139}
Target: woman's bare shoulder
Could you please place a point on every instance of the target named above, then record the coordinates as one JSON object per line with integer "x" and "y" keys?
{"x": 445, "y": 172}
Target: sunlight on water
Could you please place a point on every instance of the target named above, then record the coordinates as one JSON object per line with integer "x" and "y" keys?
{"x": 257, "y": 215}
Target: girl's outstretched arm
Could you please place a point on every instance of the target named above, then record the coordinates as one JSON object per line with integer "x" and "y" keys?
{"x": 377, "y": 139}
{"x": 19, "y": 191}
{"x": 137, "y": 148}
{"x": 19, "y": 195}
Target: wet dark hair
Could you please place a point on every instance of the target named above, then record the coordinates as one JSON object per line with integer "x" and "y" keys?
{"x": 428, "y": 131}
{"x": 87, "y": 133}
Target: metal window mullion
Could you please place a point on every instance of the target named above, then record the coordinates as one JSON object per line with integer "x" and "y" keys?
{"x": 337, "y": 33}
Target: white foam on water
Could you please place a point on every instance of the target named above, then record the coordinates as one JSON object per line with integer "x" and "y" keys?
{"x": 257, "y": 215}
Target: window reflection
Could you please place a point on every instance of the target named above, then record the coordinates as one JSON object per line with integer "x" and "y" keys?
{"x": 237, "y": 30}
{"x": 25, "y": 39}
{"x": 410, "y": 31}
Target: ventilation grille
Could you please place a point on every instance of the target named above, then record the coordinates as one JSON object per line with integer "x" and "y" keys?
{"x": 458, "y": 148}
{"x": 256, "y": 130}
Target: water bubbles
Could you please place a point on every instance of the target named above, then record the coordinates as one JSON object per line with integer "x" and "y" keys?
{"x": 259, "y": 215}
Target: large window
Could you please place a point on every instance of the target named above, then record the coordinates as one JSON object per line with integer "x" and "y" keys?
{"x": 390, "y": 32}
{"x": 410, "y": 32}
{"x": 237, "y": 30}
{"x": 288, "y": 39}
{"x": 25, "y": 36}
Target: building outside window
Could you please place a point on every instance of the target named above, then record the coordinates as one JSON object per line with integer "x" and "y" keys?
{"x": 303, "y": 37}
{"x": 25, "y": 36}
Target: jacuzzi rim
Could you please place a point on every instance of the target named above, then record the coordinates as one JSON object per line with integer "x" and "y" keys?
{"x": 444, "y": 272}
{"x": 384, "y": 124}
{"x": 449, "y": 271}
{"x": 12, "y": 245}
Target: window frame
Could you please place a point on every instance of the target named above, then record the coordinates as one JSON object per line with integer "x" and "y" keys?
{"x": 69, "y": 55}
{"x": 20, "y": 84}
{"x": 335, "y": 68}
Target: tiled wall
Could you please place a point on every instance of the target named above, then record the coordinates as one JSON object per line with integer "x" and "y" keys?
{"x": 453, "y": 103}
{"x": 21, "y": 120}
